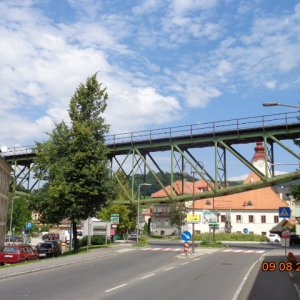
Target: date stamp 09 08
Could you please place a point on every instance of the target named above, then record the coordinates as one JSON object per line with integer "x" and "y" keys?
{"x": 271, "y": 266}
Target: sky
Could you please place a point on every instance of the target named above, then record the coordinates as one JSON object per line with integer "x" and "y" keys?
{"x": 164, "y": 63}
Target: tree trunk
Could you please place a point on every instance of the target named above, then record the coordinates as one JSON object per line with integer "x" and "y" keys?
{"x": 76, "y": 244}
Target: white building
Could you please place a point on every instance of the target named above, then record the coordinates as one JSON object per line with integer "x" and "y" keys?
{"x": 253, "y": 211}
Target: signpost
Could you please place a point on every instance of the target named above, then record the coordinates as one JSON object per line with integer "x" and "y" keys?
{"x": 285, "y": 234}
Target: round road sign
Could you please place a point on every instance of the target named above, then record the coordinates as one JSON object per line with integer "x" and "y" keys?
{"x": 285, "y": 234}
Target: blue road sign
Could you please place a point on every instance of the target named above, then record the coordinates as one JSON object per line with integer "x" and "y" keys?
{"x": 186, "y": 236}
{"x": 284, "y": 212}
{"x": 28, "y": 226}
{"x": 245, "y": 230}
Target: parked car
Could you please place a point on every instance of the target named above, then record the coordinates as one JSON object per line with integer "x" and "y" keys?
{"x": 294, "y": 240}
{"x": 14, "y": 253}
{"x": 274, "y": 237}
{"x": 50, "y": 237}
{"x": 48, "y": 249}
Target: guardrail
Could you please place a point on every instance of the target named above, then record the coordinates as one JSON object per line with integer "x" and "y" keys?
{"x": 237, "y": 125}
{"x": 265, "y": 121}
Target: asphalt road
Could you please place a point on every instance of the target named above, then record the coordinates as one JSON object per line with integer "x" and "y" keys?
{"x": 136, "y": 274}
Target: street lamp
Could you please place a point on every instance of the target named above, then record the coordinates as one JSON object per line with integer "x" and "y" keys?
{"x": 138, "y": 209}
{"x": 268, "y": 104}
{"x": 11, "y": 216}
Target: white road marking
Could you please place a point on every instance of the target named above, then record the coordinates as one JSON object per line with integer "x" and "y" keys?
{"x": 117, "y": 287}
{"x": 238, "y": 291}
{"x": 147, "y": 276}
{"x": 184, "y": 263}
{"x": 169, "y": 268}
{"x": 125, "y": 250}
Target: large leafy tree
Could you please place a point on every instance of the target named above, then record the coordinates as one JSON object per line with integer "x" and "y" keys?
{"x": 74, "y": 163}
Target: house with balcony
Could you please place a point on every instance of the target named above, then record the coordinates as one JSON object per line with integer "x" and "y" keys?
{"x": 161, "y": 213}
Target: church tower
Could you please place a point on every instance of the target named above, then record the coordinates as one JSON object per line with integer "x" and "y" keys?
{"x": 258, "y": 159}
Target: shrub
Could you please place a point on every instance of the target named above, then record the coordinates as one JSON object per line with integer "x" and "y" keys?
{"x": 143, "y": 241}
{"x": 95, "y": 240}
{"x": 231, "y": 237}
{"x": 207, "y": 243}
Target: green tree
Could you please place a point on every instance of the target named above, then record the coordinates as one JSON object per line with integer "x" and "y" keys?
{"x": 21, "y": 213}
{"x": 74, "y": 162}
{"x": 178, "y": 214}
{"x": 127, "y": 213}
{"x": 126, "y": 220}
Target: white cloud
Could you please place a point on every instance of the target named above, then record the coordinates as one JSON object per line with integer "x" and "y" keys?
{"x": 272, "y": 84}
{"x": 181, "y": 7}
{"x": 132, "y": 108}
{"x": 146, "y": 7}
{"x": 199, "y": 96}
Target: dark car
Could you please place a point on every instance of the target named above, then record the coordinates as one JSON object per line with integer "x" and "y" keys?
{"x": 50, "y": 237}
{"x": 294, "y": 240}
{"x": 14, "y": 253}
{"x": 48, "y": 249}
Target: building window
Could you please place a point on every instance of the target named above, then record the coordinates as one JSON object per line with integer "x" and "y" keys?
{"x": 166, "y": 222}
{"x": 251, "y": 218}
{"x": 263, "y": 219}
{"x": 223, "y": 218}
{"x": 276, "y": 219}
{"x": 238, "y": 218}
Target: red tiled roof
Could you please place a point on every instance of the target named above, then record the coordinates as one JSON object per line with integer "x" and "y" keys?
{"x": 181, "y": 187}
{"x": 261, "y": 199}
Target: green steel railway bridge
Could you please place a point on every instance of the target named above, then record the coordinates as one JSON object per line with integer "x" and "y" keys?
{"x": 209, "y": 151}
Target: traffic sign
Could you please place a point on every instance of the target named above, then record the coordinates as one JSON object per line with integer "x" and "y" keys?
{"x": 285, "y": 234}
{"x": 213, "y": 225}
{"x": 28, "y": 225}
{"x": 114, "y": 218}
{"x": 284, "y": 212}
{"x": 193, "y": 218}
{"x": 186, "y": 247}
{"x": 186, "y": 236}
{"x": 245, "y": 230}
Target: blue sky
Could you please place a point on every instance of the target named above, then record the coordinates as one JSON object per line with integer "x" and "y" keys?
{"x": 164, "y": 63}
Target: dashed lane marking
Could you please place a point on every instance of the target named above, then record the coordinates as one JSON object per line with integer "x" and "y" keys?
{"x": 116, "y": 287}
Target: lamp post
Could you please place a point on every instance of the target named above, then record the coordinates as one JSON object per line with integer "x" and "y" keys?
{"x": 138, "y": 210}
{"x": 193, "y": 224}
{"x": 268, "y": 104}
{"x": 11, "y": 216}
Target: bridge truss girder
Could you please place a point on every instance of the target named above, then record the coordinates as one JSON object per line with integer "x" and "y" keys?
{"x": 181, "y": 158}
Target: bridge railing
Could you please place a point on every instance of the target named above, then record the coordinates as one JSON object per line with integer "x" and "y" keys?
{"x": 20, "y": 150}
{"x": 237, "y": 125}
{"x": 264, "y": 121}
